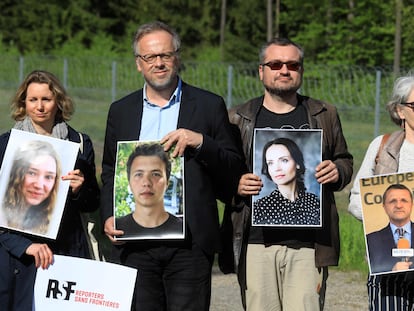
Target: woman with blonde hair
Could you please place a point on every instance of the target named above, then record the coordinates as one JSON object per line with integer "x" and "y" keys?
{"x": 42, "y": 106}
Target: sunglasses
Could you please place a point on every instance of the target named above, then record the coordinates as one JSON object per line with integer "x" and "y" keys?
{"x": 409, "y": 105}
{"x": 277, "y": 65}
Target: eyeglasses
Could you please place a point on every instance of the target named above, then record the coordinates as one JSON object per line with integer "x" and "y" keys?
{"x": 409, "y": 105}
{"x": 151, "y": 58}
{"x": 277, "y": 65}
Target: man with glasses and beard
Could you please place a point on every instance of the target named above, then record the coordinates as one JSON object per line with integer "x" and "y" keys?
{"x": 173, "y": 274}
{"x": 285, "y": 268}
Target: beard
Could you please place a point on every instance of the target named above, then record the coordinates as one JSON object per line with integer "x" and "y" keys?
{"x": 163, "y": 85}
{"x": 282, "y": 91}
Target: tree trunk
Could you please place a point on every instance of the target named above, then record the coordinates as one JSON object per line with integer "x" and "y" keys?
{"x": 277, "y": 18}
{"x": 222, "y": 27}
{"x": 397, "y": 37}
{"x": 269, "y": 17}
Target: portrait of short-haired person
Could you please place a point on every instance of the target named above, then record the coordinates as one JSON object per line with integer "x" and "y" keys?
{"x": 289, "y": 203}
{"x": 148, "y": 171}
{"x": 398, "y": 203}
{"x": 32, "y": 187}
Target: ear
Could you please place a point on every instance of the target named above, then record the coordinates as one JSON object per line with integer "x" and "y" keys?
{"x": 261, "y": 67}
{"x": 400, "y": 112}
{"x": 297, "y": 166}
{"x": 139, "y": 68}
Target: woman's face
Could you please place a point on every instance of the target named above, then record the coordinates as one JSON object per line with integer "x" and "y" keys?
{"x": 39, "y": 179}
{"x": 280, "y": 165}
{"x": 41, "y": 106}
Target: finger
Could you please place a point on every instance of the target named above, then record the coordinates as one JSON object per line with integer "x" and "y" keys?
{"x": 37, "y": 260}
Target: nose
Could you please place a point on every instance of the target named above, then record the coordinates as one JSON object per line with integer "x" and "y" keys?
{"x": 39, "y": 182}
{"x": 158, "y": 61}
{"x": 146, "y": 180}
{"x": 284, "y": 69}
{"x": 40, "y": 105}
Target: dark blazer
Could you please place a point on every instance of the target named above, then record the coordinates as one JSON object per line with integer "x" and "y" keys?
{"x": 380, "y": 244}
{"x": 210, "y": 173}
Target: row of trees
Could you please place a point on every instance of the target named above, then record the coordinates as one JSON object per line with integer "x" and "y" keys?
{"x": 360, "y": 32}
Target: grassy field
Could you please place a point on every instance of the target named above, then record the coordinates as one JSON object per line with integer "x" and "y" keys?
{"x": 358, "y": 127}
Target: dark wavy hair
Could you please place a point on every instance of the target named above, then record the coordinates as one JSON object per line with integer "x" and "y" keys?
{"x": 295, "y": 153}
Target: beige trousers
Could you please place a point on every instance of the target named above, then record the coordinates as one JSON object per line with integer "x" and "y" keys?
{"x": 283, "y": 279}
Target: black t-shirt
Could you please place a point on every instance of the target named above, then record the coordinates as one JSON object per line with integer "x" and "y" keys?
{"x": 298, "y": 236}
{"x": 132, "y": 229}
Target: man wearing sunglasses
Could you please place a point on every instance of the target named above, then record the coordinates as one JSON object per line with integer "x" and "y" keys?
{"x": 286, "y": 268}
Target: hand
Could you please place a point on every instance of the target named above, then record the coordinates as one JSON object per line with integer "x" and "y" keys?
{"x": 402, "y": 265}
{"x": 42, "y": 254}
{"x": 249, "y": 184}
{"x": 110, "y": 231}
{"x": 76, "y": 180}
{"x": 326, "y": 172}
{"x": 181, "y": 138}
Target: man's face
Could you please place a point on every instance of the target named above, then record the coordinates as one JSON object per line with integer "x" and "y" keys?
{"x": 282, "y": 82}
{"x": 159, "y": 74}
{"x": 398, "y": 205}
{"x": 148, "y": 181}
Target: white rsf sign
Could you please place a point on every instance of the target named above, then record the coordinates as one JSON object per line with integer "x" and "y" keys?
{"x": 81, "y": 284}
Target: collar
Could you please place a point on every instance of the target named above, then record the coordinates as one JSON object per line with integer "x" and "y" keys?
{"x": 174, "y": 99}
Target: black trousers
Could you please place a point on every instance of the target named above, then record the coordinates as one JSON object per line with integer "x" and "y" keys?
{"x": 170, "y": 278}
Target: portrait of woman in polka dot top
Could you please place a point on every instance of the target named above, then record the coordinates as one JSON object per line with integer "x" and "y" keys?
{"x": 289, "y": 203}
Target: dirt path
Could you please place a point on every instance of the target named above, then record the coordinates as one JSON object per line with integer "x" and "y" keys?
{"x": 346, "y": 291}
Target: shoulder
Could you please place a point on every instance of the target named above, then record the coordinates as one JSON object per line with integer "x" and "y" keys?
{"x": 376, "y": 234}
{"x": 317, "y": 106}
{"x": 76, "y": 136}
{"x": 246, "y": 110}
{"x": 190, "y": 90}
{"x": 4, "y": 140}
{"x": 274, "y": 195}
{"x": 174, "y": 219}
{"x": 123, "y": 220}
{"x": 311, "y": 196}
{"x": 130, "y": 99}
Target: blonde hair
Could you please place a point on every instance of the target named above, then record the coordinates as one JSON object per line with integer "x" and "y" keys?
{"x": 64, "y": 102}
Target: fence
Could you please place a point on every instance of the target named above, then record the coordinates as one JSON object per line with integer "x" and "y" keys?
{"x": 359, "y": 93}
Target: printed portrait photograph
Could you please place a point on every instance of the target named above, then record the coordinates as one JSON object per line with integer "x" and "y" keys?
{"x": 285, "y": 160}
{"x": 387, "y": 209}
{"x": 148, "y": 192}
{"x": 32, "y": 193}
